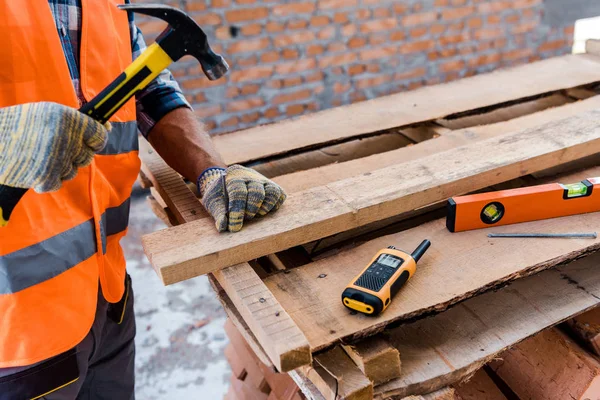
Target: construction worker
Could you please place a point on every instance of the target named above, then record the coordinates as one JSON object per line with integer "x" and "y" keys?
{"x": 66, "y": 302}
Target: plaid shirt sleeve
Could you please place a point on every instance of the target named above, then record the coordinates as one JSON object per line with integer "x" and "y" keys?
{"x": 161, "y": 96}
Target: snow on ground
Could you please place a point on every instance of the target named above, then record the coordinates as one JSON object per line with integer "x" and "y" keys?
{"x": 180, "y": 336}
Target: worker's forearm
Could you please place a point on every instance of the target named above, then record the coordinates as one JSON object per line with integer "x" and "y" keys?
{"x": 182, "y": 142}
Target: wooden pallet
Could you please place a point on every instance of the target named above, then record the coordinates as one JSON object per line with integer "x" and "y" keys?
{"x": 281, "y": 286}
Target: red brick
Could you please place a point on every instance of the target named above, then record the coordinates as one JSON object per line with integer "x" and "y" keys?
{"x": 373, "y": 68}
{"x": 339, "y": 87}
{"x": 355, "y": 97}
{"x": 468, "y": 50}
{"x": 363, "y": 14}
{"x": 529, "y": 13}
{"x": 269, "y": 57}
{"x": 293, "y": 38}
{"x": 512, "y": 19}
{"x": 336, "y": 47}
{"x": 200, "y": 82}
{"x": 552, "y": 46}
{"x": 378, "y": 25}
{"x": 399, "y": 8}
{"x": 412, "y": 74}
{"x": 340, "y": 18}
{"x": 289, "y": 53}
{"x": 494, "y": 6}
{"x": 209, "y": 125}
{"x": 250, "y": 89}
{"x": 232, "y": 91}
{"x": 314, "y": 50}
{"x": 255, "y": 73}
{"x": 348, "y": 30}
{"x": 417, "y": 7}
{"x": 356, "y": 42}
{"x": 418, "y": 32}
{"x": 378, "y": 53}
{"x": 437, "y": 29}
{"x": 517, "y": 54}
{"x": 314, "y": 106}
{"x": 293, "y": 67}
{"x": 456, "y": 13}
{"x": 249, "y": 45}
{"x": 569, "y": 30}
{"x": 223, "y": 33}
{"x": 272, "y": 112}
{"x": 294, "y": 109}
{"x": 489, "y": 33}
{"x": 459, "y": 2}
{"x": 423, "y": 18}
{"x": 453, "y": 39}
{"x": 199, "y": 98}
{"x": 396, "y": 36}
{"x": 195, "y": 6}
{"x": 440, "y": 3}
{"x": 340, "y": 59}
{"x": 246, "y": 14}
{"x": 337, "y": 102}
{"x": 475, "y": 23}
{"x": 526, "y": 3}
{"x": 291, "y": 97}
{"x": 275, "y": 83}
{"x": 232, "y": 121}
{"x": 314, "y": 77}
{"x": 250, "y": 118}
{"x": 382, "y": 13}
{"x": 356, "y": 69}
{"x": 449, "y": 66}
{"x": 319, "y": 20}
{"x": 524, "y": 27}
{"x": 207, "y": 19}
{"x": 293, "y": 9}
{"x": 252, "y": 29}
{"x": 369, "y": 82}
{"x": 416, "y": 47}
{"x": 326, "y": 33}
{"x": 274, "y": 27}
{"x": 494, "y": 19}
{"x": 415, "y": 85}
{"x": 485, "y": 60}
{"x": 207, "y": 111}
{"x": 293, "y": 81}
{"x": 245, "y": 104}
{"x": 329, "y": 4}
{"x": 375, "y": 40}
{"x": 215, "y": 3}
{"x": 245, "y": 1}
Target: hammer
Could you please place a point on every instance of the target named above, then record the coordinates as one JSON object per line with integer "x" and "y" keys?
{"x": 181, "y": 37}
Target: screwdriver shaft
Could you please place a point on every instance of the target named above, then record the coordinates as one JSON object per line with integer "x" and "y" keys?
{"x": 543, "y": 235}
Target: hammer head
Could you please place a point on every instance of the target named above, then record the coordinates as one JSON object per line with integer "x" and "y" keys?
{"x": 183, "y": 37}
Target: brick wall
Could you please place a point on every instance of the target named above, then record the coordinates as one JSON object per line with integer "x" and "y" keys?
{"x": 290, "y": 58}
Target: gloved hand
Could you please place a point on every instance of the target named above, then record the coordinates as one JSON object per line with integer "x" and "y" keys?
{"x": 236, "y": 194}
{"x": 43, "y": 144}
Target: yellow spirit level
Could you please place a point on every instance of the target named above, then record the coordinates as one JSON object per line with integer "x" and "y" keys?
{"x": 513, "y": 206}
{"x": 372, "y": 290}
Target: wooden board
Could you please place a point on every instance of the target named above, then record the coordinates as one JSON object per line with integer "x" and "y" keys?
{"x": 479, "y": 387}
{"x": 448, "y": 347}
{"x": 428, "y": 103}
{"x": 303, "y": 180}
{"x": 592, "y": 46}
{"x": 549, "y": 365}
{"x": 376, "y": 358}
{"x": 195, "y": 248}
{"x": 442, "y": 394}
{"x": 283, "y": 342}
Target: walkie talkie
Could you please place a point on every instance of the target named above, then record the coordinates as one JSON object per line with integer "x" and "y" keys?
{"x": 371, "y": 291}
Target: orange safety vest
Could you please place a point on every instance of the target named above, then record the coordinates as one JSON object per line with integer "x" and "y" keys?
{"x": 58, "y": 245}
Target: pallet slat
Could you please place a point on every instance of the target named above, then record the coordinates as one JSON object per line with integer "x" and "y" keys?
{"x": 586, "y": 327}
{"x": 425, "y": 104}
{"x": 195, "y": 248}
{"x": 376, "y": 358}
{"x": 479, "y": 387}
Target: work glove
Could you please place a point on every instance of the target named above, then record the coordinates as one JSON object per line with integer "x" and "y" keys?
{"x": 43, "y": 144}
{"x": 236, "y": 194}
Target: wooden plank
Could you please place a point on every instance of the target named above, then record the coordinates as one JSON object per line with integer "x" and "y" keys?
{"x": 452, "y": 345}
{"x": 185, "y": 251}
{"x": 442, "y": 394}
{"x": 303, "y": 180}
{"x": 286, "y": 352}
{"x": 425, "y": 104}
{"x": 336, "y": 153}
{"x": 279, "y": 336}
{"x": 586, "y": 327}
{"x": 306, "y": 386}
{"x": 479, "y": 387}
{"x": 424, "y": 132}
{"x": 592, "y": 46}
{"x": 337, "y": 377}
{"x": 549, "y": 365}
{"x": 376, "y": 358}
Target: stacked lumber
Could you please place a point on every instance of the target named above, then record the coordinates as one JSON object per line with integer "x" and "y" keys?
{"x": 471, "y": 299}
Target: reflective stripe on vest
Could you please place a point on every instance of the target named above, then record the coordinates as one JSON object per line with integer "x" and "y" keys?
{"x": 123, "y": 139}
{"x": 42, "y": 261}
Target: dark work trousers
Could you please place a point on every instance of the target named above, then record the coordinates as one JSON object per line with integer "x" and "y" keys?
{"x": 101, "y": 367}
